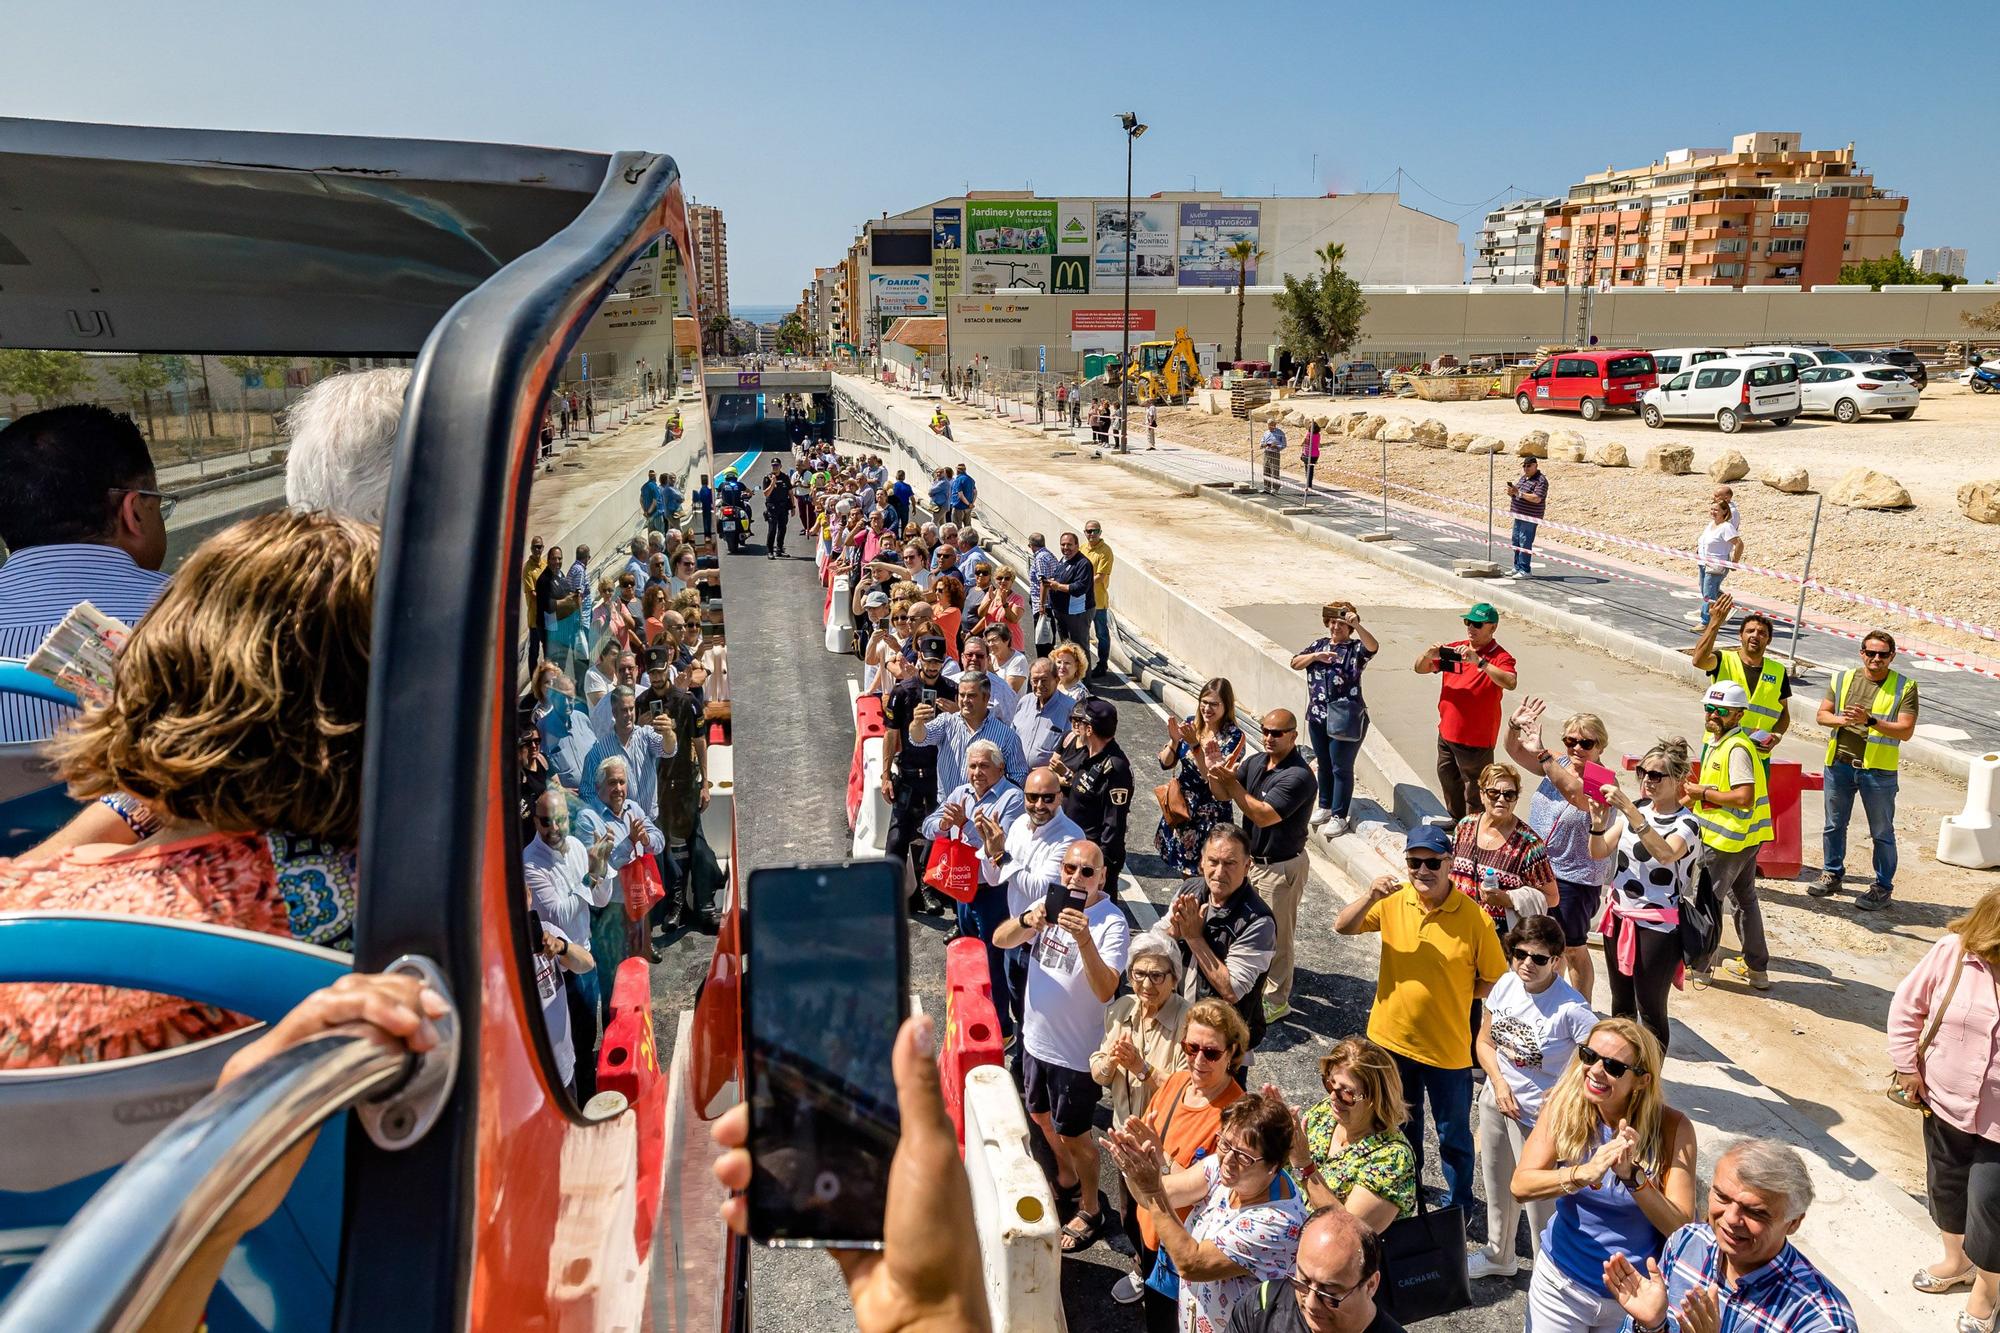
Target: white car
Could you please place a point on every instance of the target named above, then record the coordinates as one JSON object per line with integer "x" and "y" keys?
{"x": 1729, "y": 392}
{"x": 1848, "y": 393}
{"x": 1671, "y": 361}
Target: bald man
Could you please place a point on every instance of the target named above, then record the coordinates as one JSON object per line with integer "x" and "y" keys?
{"x": 1336, "y": 1275}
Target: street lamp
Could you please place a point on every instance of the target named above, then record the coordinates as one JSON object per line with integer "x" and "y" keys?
{"x": 1133, "y": 129}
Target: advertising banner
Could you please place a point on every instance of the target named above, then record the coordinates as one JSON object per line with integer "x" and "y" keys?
{"x": 1014, "y": 227}
{"x": 1154, "y": 247}
{"x": 895, "y": 295}
{"x": 1071, "y": 274}
{"x": 1207, "y": 232}
{"x": 996, "y": 313}
{"x": 986, "y": 274}
{"x": 641, "y": 277}
{"x": 1098, "y": 330}
{"x": 947, "y": 242}
{"x": 1073, "y": 235}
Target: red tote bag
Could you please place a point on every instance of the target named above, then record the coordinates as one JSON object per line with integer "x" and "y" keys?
{"x": 953, "y": 869}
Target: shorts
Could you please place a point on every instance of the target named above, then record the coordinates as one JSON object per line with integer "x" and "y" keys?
{"x": 1577, "y": 911}
{"x": 1962, "y": 1182}
{"x": 1068, "y": 1097}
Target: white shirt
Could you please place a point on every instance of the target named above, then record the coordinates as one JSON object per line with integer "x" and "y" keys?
{"x": 1016, "y": 668}
{"x": 555, "y": 1004}
{"x": 555, "y": 882}
{"x": 1034, "y": 861}
{"x": 1535, "y": 1035}
{"x": 1062, "y": 1020}
{"x": 1716, "y": 541}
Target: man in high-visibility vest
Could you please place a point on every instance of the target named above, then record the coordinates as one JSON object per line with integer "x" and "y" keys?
{"x": 1764, "y": 679}
{"x": 1870, "y": 713}
{"x": 1732, "y": 807}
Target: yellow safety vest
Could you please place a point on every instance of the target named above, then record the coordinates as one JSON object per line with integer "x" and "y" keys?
{"x": 1882, "y": 752}
{"x": 1767, "y": 705}
{"x": 1723, "y": 828}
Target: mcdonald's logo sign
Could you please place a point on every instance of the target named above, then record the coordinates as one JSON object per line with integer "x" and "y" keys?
{"x": 1072, "y": 274}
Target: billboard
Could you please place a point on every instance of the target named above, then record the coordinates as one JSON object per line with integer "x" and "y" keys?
{"x": 947, "y": 232}
{"x": 1073, "y": 236}
{"x": 1099, "y": 330}
{"x": 899, "y": 249}
{"x": 1207, "y": 232}
{"x": 986, "y": 274}
{"x": 1014, "y": 227}
{"x": 1153, "y": 228}
{"x": 900, "y": 294}
{"x": 1071, "y": 273}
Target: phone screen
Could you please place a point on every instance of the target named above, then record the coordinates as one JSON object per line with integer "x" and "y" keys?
{"x": 1449, "y": 657}
{"x": 826, "y": 985}
{"x": 1596, "y": 777}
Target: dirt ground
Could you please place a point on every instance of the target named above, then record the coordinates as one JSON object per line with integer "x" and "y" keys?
{"x": 1930, "y": 556}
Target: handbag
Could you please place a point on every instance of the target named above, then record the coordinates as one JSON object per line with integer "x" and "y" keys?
{"x": 640, "y": 880}
{"x": 1165, "y": 1278}
{"x": 1045, "y": 630}
{"x": 1895, "y": 1093}
{"x": 1346, "y": 719}
{"x": 952, "y": 869}
{"x": 1701, "y": 925}
{"x": 1423, "y": 1264}
{"x": 1172, "y": 802}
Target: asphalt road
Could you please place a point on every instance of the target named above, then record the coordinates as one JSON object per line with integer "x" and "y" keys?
{"x": 793, "y": 743}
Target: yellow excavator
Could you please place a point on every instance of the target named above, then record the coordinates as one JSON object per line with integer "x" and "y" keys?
{"x": 1165, "y": 372}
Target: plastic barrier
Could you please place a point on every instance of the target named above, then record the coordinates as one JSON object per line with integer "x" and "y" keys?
{"x": 1012, "y": 1208}
{"x": 871, "y": 819}
{"x": 971, "y": 1026}
{"x": 628, "y": 1063}
{"x": 868, "y": 725}
{"x": 1781, "y": 857}
{"x": 1971, "y": 837}
{"x": 839, "y": 633}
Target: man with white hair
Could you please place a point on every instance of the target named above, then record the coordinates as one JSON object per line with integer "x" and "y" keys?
{"x": 986, "y": 791}
{"x": 643, "y": 747}
{"x": 615, "y": 933}
{"x": 343, "y": 433}
{"x": 1739, "y": 1269}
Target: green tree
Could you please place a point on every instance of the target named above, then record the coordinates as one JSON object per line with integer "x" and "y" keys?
{"x": 717, "y": 328}
{"x": 1320, "y": 316}
{"x": 1893, "y": 270}
{"x": 269, "y": 370}
{"x": 141, "y": 377}
{"x": 46, "y": 377}
{"x": 792, "y": 334}
{"x": 1245, "y": 253}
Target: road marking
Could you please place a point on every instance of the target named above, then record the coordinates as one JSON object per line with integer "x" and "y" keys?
{"x": 1586, "y": 601}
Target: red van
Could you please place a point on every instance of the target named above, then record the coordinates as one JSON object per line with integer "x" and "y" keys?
{"x": 1588, "y": 382}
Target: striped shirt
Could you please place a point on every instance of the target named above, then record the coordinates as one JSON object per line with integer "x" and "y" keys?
{"x": 38, "y": 587}
{"x": 1787, "y": 1295}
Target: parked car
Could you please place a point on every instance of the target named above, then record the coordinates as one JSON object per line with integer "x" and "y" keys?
{"x": 1588, "y": 382}
{"x": 1848, "y": 393}
{"x": 1729, "y": 392}
{"x": 1671, "y": 361}
{"x": 1357, "y": 377}
{"x": 1902, "y": 358}
{"x": 1802, "y": 355}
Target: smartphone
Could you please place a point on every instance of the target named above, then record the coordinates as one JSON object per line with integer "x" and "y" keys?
{"x": 1596, "y": 777}
{"x": 1057, "y": 898}
{"x": 654, "y": 708}
{"x": 928, "y": 696}
{"x": 826, "y": 984}
{"x": 1449, "y": 657}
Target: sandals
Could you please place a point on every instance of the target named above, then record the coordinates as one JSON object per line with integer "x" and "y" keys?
{"x": 1082, "y": 1231}
{"x": 1932, "y": 1285}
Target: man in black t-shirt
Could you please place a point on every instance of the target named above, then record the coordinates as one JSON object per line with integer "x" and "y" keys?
{"x": 1333, "y": 1285}
{"x": 909, "y": 770}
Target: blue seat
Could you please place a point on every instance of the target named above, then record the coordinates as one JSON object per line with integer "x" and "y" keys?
{"x": 32, "y": 804}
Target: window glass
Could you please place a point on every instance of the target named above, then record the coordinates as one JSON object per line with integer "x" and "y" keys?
{"x": 1630, "y": 365}
{"x": 1763, "y": 377}
{"x": 1569, "y": 366}
{"x": 1813, "y": 376}
{"x": 1700, "y": 357}
{"x": 1831, "y": 357}
{"x": 1887, "y": 375}
{"x": 1666, "y": 365}
{"x": 1716, "y": 377}
{"x": 1678, "y": 384}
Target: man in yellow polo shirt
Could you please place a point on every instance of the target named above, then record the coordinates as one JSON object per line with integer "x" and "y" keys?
{"x": 1439, "y": 953}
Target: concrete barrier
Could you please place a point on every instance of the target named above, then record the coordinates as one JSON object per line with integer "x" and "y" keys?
{"x": 1012, "y": 1208}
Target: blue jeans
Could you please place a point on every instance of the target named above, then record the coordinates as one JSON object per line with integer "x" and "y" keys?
{"x": 1877, "y": 789}
{"x": 978, "y": 919}
{"x": 1450, "y": 1093}
{"x": 1524, "y": 542}
{"x": 1334, "y": 761}
{"x": 1711, "y": 588}
{"x": 1100, "y": 620}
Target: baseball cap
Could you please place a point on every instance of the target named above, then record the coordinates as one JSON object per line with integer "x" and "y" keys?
{"x": 1725, "y": 694}
{"x": 1482, "y": 613}
{"x": 875, "y": 599}
{"x": 931, "y": 645}
{"x": 1101, "y": 714}
{"x": 1427, "y": 838}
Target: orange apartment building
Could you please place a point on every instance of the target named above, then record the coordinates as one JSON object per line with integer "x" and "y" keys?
{"x": 1763, "y": 212}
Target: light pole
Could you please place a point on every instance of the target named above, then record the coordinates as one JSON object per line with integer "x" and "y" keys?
{"x": 1133, "y": 129}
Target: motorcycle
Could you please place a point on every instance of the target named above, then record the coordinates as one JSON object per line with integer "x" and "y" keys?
{"x": 732, "y": 520}
{"x": 1984, "y": 379}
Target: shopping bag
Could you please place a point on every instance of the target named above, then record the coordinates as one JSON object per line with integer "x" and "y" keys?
{"x": 640, "y": 881}
{"x": 1423, "y": 1264}
{"x": 953, "y": 869}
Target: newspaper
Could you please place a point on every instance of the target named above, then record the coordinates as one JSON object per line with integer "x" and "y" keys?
{"x": 80, "y": 653}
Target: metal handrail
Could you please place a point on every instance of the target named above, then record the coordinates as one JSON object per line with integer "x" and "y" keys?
{"x": 120, "y": 1255}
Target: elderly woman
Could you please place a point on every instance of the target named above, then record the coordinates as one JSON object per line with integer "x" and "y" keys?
{"x": 1336, "y": 715}
{"x": 236, "y": 721}
{"x": 1941, "y": 1045}
{"x": 1564, "y": 814}
{"x": 1350, "y": 1150}
{"x": 1142, "y": 1043}
{"x": 1497, "y": 859}
{"x": 1183, "y": 828}
{"x": 1246, "y": 1218}
{"x": 1071, "y": 667}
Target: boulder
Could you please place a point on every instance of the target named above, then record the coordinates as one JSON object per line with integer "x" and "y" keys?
{"x": 1530, "y": 447}
{"x": 1566, "y": 440}
{"x": 1486, "y": 444}
{"x": 1398, "y": 430}
{"x": 1321, "y": 419}
{"x": 1980, "y": 501}
{"x": 1268, "y": 412}
{"x": 1458, "y": 439}
{"x": 1568, "y": 453}
{"x": 1865, "y": 488}
{"x": 1676, "y": 460}
{"x": 1296, "y": 419}
{"x": 1610, "y": 454}
{"x": 1790, "y": 480}
{"x": 1732, "y": 466}
{"x": 1368, "y": 428}
{"x": 1432, "y": 433}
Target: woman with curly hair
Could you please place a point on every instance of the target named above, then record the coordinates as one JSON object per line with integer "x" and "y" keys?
{"x": 235, "y": 732}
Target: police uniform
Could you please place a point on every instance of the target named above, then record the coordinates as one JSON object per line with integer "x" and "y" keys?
{"x": 913, "y": 776}
{"x": 1097, "y": 794}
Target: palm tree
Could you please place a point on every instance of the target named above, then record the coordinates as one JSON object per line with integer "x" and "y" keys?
{"x": 1332, "y": 254}
{"x": 1245, "y": 253}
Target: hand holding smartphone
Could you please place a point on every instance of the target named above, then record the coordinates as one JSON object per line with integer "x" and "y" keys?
{"x": 1449, "y": 658}
{"x": 1596, "y": 777}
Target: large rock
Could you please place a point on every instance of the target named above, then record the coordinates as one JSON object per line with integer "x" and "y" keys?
{"x": 1458, "y": 440}
{"x": 1398, "y": 430}
{"x": 1368, "y": 428}
{"x": 1732, "y": 466}
{"x": 1296, "y": 419}
{"x": 1865, "y": 488}
{"x": 1610, "y": 454}
{"x": 1790, "y": 480}
{"x": 1432, "y": 433}
{"x": 1566, "y": 440}
{"x": 1530, "y": 447}
{"x": 1980, "y": 501}
{"x": 1676, "y": 460}
{"x": 1486, "y": 444}
{"x": 1268, "y": 412}
{"x": 1569, "y": 453}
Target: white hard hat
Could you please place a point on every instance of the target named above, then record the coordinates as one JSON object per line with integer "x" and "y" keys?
{"x": 1725, "y": 694}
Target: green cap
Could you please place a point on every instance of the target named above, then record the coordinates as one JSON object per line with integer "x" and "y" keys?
{"x": 1482, "y": 613}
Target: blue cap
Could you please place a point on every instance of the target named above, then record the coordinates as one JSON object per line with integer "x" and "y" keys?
{"x": 1427, "y": 838}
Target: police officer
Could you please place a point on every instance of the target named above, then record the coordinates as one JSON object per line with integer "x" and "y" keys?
{"x": 1097, "y": 782}
{"x": 909, "y": 770}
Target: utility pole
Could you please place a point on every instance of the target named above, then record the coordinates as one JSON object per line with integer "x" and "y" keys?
{"x": 1133, "y": 129}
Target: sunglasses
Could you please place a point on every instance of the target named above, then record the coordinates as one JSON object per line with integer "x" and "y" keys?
{"x": 1038, "y": 796}
{"x": 1279, "y": 731}
{"x": 1326, "y": 1296}
{"x": 1196, "y": 1051}
{"x": 1423, "y": 862}
{"x": 1653, "y": 775}
{"x": 1580, "y": 742}
{"x": 1230, "y": 1150}
{"x": 1086, "y": 872}
{"x": 1500, "y": 793}
{"x": 1615, "y": 1068}
{"x": 1477, "y": 624}
{"x": 1538, "y": 959}
{"x": 1714, "y": 711}
{"x": 1872, "y": 654}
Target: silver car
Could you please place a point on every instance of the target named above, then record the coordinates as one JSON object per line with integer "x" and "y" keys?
{"x": 1850, "y": 392}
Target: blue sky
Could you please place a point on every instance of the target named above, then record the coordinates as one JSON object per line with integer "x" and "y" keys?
{"x": 802, "y": 119}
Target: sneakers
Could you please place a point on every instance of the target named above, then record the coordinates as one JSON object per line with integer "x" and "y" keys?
{"x": 1275, "y": 1013}
{"x": 1742, "y": 971}
{"x": 1320, "y": 815}
{"x": 1825, "y": 886}
{"x": 1483, "y": 1264}
{"x": 1875, "y": 899}
{"x": 1127, "y": 1290}
{"x": 1336, "y": 827}
{"x": 1518, "y": 574}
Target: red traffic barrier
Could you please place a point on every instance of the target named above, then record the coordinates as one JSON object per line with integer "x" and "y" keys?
{"x": 971, "y": 1025}
{"x": 1781, "y": 857}
{"x": 868, "y": 722}
{"x": 628, "y": 1063}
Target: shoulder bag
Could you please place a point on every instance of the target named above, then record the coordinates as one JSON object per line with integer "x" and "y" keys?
{"x": 1423, "y": 1264}
{"x": 1701, "y": 924}
{"x": 1895, "y": 1092}
{"x": 1173, "y": 802}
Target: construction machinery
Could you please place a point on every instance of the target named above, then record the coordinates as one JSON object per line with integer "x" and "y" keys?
{"x": 1165, "y": 371}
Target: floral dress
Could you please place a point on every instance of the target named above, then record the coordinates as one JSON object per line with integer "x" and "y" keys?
{"x": 1181, "y": 847}
{"x": 1260, "y": 1237}
{"x": 1340, "y": 679}
{"x": 1383, "y": 1162}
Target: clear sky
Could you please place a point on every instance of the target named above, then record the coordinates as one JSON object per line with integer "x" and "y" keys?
{"x": 802, "y": 119}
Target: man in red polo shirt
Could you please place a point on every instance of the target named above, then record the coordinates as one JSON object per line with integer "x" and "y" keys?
{"x": 1476, "y": 671}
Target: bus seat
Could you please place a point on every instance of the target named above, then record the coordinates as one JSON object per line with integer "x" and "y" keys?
{"x": 32, "y": 803}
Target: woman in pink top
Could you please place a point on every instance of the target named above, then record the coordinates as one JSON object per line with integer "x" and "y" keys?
{"x": 1958, "y": 1077}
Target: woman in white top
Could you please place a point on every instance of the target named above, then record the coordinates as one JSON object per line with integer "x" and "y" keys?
{"x": 1655, "y": 839}
{"x": 1532, "y": 1022}
{"x": 1720, "y": 541}
{"x": 1005, "y": 659}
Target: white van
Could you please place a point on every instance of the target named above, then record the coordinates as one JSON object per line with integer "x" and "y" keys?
{"x": 1671, "y": 361}
{"x": 1728, "y": 391}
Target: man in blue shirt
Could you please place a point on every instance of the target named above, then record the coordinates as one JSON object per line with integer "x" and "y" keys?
{"x": 670, "y": 503}
{"x": 649, "y": 503}
{"x": 954, "y": 733}
{"x": 964, "y": 493}
{"x": 984, "y": 792}
{"x": 941, "y": 494}
{"x": 1041, "y": 718}
{"x": 704, "y": 496}
{"x": 900, "y": 495}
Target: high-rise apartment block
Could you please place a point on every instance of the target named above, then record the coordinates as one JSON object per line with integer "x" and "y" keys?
{"x": 711, "y": 259}
{"x": 1510, "y": 244}
{"x": 1763, "y": 211}
{"x": 1946, "y": 259}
